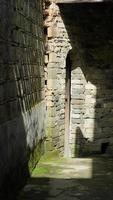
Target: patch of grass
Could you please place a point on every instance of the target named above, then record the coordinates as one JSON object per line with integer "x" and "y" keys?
{"x": 41, "y": 170}
{"x": 48, "y": 164}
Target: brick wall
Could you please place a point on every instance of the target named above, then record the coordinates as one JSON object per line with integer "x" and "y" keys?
{"x": 22, "y": 107}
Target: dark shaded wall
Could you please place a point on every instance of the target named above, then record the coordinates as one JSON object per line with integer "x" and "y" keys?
{"x": 22, "y": 106}
{"x": 90, "y": 31}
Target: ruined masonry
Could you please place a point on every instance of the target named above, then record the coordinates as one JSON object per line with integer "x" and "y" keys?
{"x": 57, "y": 47}
{"x": 79, "y": 78}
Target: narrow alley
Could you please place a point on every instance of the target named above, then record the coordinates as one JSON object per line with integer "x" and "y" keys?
{"x": 56, "y": 100}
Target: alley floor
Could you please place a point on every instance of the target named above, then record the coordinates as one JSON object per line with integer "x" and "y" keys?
{"x": 71, "y": 179}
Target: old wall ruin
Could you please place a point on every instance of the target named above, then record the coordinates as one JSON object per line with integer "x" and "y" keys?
{"x": 57, "y": 47}
{"x": 22, "y": 106}
{"x": 86, "y": 30}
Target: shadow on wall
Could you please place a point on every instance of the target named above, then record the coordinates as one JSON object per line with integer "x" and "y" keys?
{"x": 83, "y": 146}
{"x": 21, "y": 66}
{"x": 90, "y": 31}
{"x": 79, "y": 143}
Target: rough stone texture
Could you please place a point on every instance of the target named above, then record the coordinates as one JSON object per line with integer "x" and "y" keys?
{"x": 57, "y": 46}
{"x": 22, "y": 107}
{"x": 87, "y": 29}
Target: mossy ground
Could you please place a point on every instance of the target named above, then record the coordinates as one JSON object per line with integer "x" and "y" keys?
{"x": 45, "y": 166}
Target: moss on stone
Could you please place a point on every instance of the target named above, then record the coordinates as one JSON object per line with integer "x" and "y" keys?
{"x": 50, "y": 156}
{"x": 35, "y": 155}
{"x": 40, "y": 170}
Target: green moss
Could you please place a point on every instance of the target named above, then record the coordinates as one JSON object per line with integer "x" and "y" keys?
{"x": 40, "y": 170}
{"x": 50, "y": 156}
{"x": 35, "y": 156}
{"x": 46, "y": 167}
{"x": 50, "y": 131}
{"x": 49, "y": 145}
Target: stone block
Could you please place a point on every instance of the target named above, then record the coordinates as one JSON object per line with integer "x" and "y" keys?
{"x": 52, "y": 32}
{"x": 89, "y": 123}
{"x": 90, "y": 101}
{"x": 61, "y": 128}
{"x": 77, "y": 82}
{"x": 76, "y": 121}
{"x": 77, "y": 91}
{"x": 76, "y": 106}
{"x": 50, "y": 103}
{"x": 61, "y": 141}
{"x": 90, "y": 113}
{"x": 46, "y": 59}
{"x": 78, "y": 101}
{"x": 52, "y": 73}
{"x": 75, "y": 116}
{"x": 52, "y": 84}
{"x": 90, "y": 86}
{"x": 76, "y": 111}
{"x": 52, "y": 65}
{"x": 51, "y": 112}
{"x": 52, "y": 57}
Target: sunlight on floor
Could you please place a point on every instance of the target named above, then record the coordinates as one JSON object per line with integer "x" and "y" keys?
{"x": 77, "y": 168}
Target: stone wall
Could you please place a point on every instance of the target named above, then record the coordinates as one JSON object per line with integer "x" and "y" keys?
{"x": 87, "y": 30}
{"x": 22, "y": 106}
{"x": 57, "y": 46}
